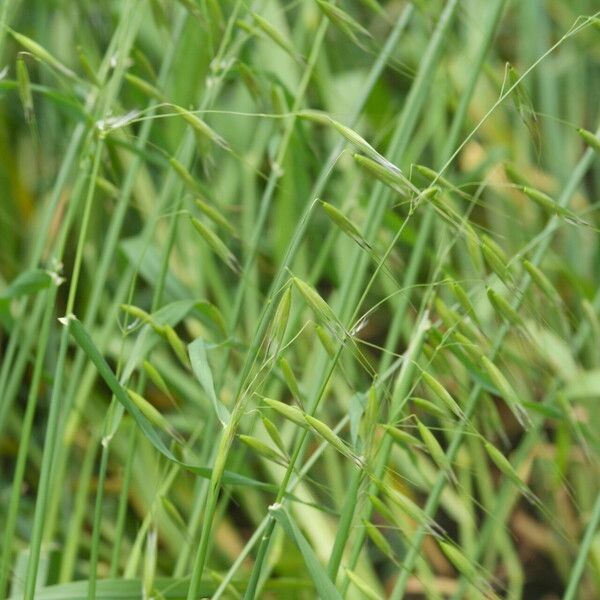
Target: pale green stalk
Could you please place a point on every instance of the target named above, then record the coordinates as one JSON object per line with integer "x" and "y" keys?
{"x": 98, "y": 511}
{"x": 123, "y": 502}
{"x": 25, "y": 436}
{"x": 72, "y": 538}
{"x": 45, "y": 482}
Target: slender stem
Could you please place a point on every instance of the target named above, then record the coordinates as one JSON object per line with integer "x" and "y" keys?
{"x": 13, "y": 506}
{"x": 54, "y": 413}
{"x": 97, "y": 519}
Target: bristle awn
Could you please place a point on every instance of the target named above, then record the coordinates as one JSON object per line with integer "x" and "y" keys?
{"x": 542, "y": 282}
{"x": 216, "y": 244}
{"x": 143, "y": 86}
{"x": 590, "y": 139}
{"x": 332, "y": 438}
{"x": 436, "y": 451}
{"x": 379, "y": 540}
{"x": 201, "y": 128}
{"x": 343, "y": 21}
{"x": 504, "y": 309}
{"x": 153, "y": 415}
{"x": 262, "y": 449}
{"x": 214, "y": 215}
{"x": 362, "y": 586}
{"x": 279, "y": 323}
{"x": 274, "y": 434}
{"x": 290, "y": 379}
{"x": 442, "y": 394}
{"x": 342, "y": 221}
{"x": 275, "y": 36}
{"x": 506, "y": 391}
{"x": 291, "y": 413}
{"x": 157, "y": 379}
{"x": 42, "y": 54}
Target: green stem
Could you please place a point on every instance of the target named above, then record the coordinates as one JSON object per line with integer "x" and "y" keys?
{"x": 54, "y": 412}
{"x": 73, "y": 538}
{"x": 123, "y": 500}
{"x": 229, "y": 432}
{"x": 25, "y": 436}
{"x": 98, "y": 517}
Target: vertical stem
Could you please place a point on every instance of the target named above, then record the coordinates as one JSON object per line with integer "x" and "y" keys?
{"x": 54, "y": 413}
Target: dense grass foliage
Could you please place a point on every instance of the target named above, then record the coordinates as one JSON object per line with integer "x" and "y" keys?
{"x": 299, "y": 299}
